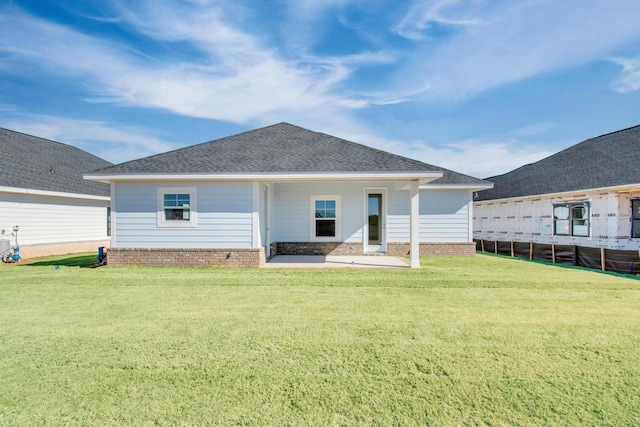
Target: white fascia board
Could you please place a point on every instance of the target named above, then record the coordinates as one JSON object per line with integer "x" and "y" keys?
{"x": 33, "y": 192}
{"x": 423, "y": 177}
{"x": 621, "y": 188}
{"x": 472, "y": 187}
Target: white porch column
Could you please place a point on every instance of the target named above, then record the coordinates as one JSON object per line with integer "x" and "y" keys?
{"x": 470, "y": 216}
{"x": 114, "y": 235}
{"x": 267, "y": 219}
{"x": 414, "y": 224}
{"x": 255, "y": 217}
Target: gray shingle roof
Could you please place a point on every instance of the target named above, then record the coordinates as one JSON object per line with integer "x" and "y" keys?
{"x": 39, "y": 164}
{"x": 606, "y": 161}
{"x": 281, "y": 148}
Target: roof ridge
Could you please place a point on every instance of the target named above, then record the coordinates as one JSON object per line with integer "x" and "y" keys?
{"x": 368, "y": 147}
{"x": 37, "y": 137}
{"x": 399, "y": 156}
{"x": 201, "y": 143}
{"x": 614, "y": 132}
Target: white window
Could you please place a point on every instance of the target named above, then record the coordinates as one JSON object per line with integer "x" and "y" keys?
{"x": 571, "y": 219}
{"x": 325, "y": 218}
{"x": 177, "y": 207}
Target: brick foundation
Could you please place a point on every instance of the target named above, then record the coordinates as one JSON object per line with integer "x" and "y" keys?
{"x": 257, "y": 257}
{"x": 318, "y": 248}
{"x": 273, "y": 250}
{"x": 187, "y": 257}
{"x": 434, "y": 249}
{"x": 393, "y": 249}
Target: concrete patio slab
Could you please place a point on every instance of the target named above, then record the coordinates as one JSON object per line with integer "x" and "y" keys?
{"x": 330, "y": 261}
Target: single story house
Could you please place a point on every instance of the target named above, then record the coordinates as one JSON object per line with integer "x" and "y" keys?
{"x": 282, "y": 189}
{"x": 587, "y": 195}
{"x": 43, "y": 195}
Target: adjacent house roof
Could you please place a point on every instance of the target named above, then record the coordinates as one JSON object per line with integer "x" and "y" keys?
{"x": 29, "y": 162}
{"x": 610, "y": 160}
{"x": 279, "y": 149}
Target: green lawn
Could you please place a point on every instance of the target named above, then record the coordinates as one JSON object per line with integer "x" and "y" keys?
{"x": 482, "y": 341}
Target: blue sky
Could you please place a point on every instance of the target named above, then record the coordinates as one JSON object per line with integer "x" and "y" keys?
{"x": 480, "y": 87}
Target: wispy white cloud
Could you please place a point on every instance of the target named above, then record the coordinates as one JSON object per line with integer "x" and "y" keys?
{"x": 535, "y": 129}
{"x": 423, "y": 15}
{"x": 305, "y": 13}
{"x": 207, "y": 25}
{"x": 629, "y": 78}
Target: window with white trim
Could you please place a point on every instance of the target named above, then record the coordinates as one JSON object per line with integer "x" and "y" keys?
{"x": 325, "y": 218}
{"x": 176, "y": 207}
{"x": 571, "y": 219}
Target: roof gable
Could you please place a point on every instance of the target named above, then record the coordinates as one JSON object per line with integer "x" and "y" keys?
{"x": 609, "y": 160}
{"x": 281, "y": 148}
{"x": 35, "y": 163}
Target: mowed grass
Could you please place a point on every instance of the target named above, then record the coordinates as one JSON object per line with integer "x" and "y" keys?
{"x": 481, "y": 341}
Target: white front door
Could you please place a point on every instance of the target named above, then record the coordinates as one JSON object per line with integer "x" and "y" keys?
{"x": 375, "y": 230}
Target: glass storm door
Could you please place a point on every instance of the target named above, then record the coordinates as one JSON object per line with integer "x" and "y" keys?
{"x": 375, "y": 239}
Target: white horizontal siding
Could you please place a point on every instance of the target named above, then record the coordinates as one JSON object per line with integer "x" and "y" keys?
{"x": 291, "y": 213}
{"x": 444, "y": 216}
{"x": 224, "y": 217}
{"x": 50, "y": 219}
{"x": 398, "y": 216}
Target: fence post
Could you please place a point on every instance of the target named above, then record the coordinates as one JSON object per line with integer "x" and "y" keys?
{"x": 512, "y": 251}
{"x": 495, "y": 246}
{"x": 482, "y": 244}
{"x": 553, "y": 253}
{"x": 530, "y": 250}
{"x": 602, "y": 258}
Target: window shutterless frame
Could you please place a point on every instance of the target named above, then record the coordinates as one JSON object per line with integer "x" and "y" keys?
{"x": 325, "y": 219}
{"x": 571, "y": 219}
{"x": 177, "y": 207}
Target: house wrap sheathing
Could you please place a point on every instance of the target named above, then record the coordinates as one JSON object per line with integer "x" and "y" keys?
{"x": 532, "y": 219}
